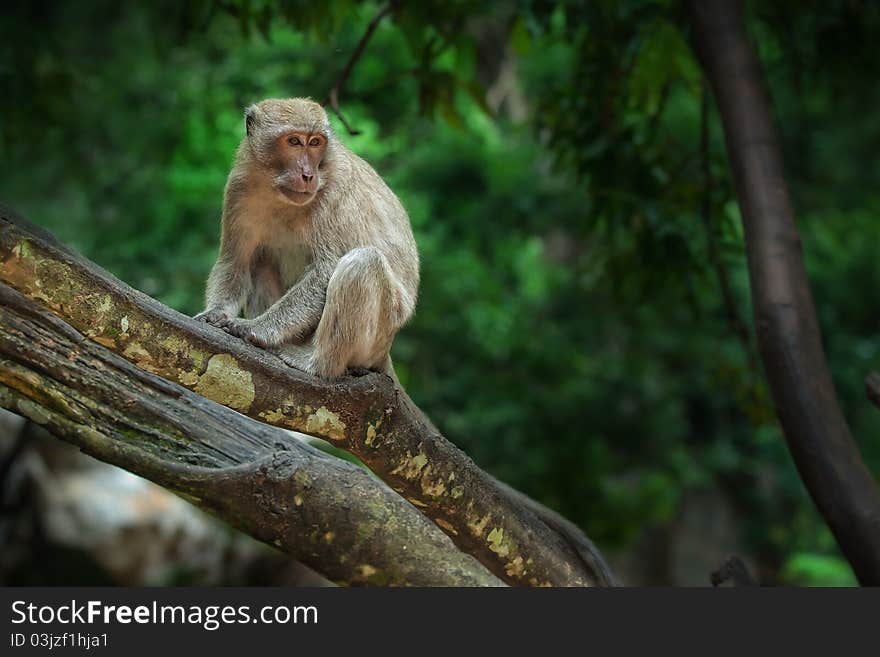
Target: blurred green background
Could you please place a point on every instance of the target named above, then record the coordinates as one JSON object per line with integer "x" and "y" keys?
{"x": 565, "y": 175}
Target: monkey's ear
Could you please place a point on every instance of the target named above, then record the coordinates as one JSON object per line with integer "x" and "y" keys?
{"x": 250, "y": 119}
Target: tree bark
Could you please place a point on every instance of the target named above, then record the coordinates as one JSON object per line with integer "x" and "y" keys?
{"x": 818, "y": 437}
{"x": 517, "y": 539}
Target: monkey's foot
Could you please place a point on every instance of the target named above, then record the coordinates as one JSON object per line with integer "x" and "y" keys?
{"x": 249, "y": 331}
{"x": 213, "y": 316}
{"x": 297, "y": 357}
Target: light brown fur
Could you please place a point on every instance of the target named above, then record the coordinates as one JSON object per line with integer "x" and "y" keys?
{"x": 314, "y": 247}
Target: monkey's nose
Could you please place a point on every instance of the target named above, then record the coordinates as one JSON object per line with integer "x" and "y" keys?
{"x": 307, "y": 177}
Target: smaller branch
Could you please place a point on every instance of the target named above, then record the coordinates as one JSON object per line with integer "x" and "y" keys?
{"x": 334, "y": 107}
{"x": 733, "y": 570}
{"x": 332, "y": 98}
{"x": 872, "y": 388}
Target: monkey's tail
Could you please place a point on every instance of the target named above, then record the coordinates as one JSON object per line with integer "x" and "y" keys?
{"x": 570, "y": 532}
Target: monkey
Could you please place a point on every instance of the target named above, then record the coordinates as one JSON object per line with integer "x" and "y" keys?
{"x": 319, "y": 256}
{"x": 316, "y": 251}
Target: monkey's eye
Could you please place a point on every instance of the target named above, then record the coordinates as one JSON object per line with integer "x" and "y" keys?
{"x": 315, "y": 141}
{"x": 293, "y": 140}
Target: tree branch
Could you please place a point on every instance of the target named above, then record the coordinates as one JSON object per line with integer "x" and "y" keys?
{"x": 818, "y": 437}
{"x": 332, "y": 98}
{"x": 326, "y": 512}
{"x": 517, "y": 539}
{"x": 872, "y": 388}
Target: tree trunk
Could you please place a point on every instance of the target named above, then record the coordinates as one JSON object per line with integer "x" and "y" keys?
{"x": 517, "y": 539}
{"x": 818, "y": 437}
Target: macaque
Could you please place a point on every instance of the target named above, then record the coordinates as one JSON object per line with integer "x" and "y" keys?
{"x": 315, "y": 249}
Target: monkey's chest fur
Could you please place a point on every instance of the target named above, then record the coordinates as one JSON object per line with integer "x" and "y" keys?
{"x": 275, "y": 268}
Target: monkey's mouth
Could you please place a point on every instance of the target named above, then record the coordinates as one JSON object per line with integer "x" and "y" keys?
{"x": 295, "y": 197}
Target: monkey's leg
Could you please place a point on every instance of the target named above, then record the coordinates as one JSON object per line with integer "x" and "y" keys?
{"x": 358, "y": 323}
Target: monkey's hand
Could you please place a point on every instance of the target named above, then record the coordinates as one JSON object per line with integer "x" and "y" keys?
{"x": 253, "y": 331}
{"x": 213, "y": 316}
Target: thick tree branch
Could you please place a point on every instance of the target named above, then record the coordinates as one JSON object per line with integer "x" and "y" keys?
{"x": 324, "y": 511}
{"x": 517, "y": 539}
{"x": 818, "y": 437}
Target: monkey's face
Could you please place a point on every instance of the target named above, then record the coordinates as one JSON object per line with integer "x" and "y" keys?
{"x": 290, "y": 138}
{"x": 299, "y": 156}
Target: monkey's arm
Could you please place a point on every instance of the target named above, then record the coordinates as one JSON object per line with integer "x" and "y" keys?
{"x": 226, "y": 291}
{"x": 290, "y": 319}
{"x": 230, "y": 278}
